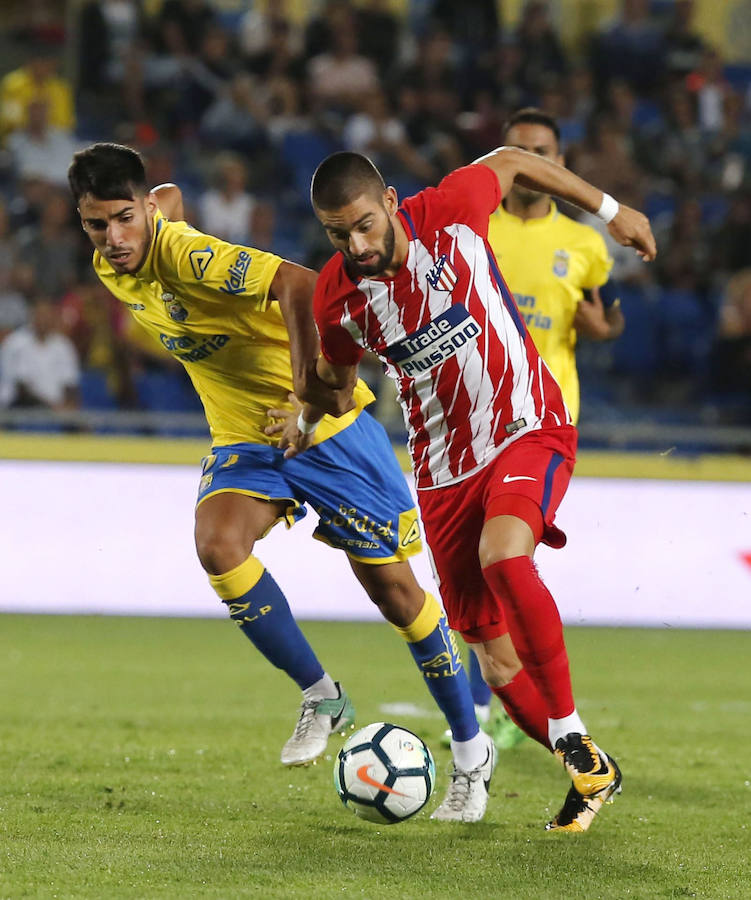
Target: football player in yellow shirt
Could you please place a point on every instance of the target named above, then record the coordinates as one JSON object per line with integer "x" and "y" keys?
{"x": 558, "y": 269}
{"x": 240, "y": 321}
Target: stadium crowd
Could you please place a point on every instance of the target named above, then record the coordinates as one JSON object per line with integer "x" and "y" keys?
{"x": 238, "y": 108}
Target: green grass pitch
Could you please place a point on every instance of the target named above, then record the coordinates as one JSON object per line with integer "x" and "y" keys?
{"x": 139, "y": 758}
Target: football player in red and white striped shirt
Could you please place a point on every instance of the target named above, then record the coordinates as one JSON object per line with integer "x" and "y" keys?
{"x": 491, "y": 440}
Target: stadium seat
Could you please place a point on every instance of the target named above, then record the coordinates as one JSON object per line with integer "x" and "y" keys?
{"x": 166, "y": 392}
{"x": 302, "y": 151}
{"x": 94, "y": 390}
{"x": 635, "y": 352}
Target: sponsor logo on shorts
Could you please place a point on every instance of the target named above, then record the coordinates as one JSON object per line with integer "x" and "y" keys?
{"x": 234, "y": 283}
{"x": 435, "y": 342}
{"x": 348, "y": 517}
{"x": 508, "y": 478}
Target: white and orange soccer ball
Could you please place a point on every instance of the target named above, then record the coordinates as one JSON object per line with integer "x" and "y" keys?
{"x": 384, "y": 773}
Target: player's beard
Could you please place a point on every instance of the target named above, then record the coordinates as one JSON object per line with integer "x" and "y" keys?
{"x": 139, "y": 253}
{"x": 383, "y": 258}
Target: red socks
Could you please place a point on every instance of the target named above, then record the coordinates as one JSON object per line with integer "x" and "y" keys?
{"x": 536, "y": 630}
{"x": 525, "y": 706}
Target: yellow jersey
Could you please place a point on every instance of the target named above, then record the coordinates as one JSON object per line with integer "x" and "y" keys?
{"x": 207, "y": 302}
{"x": 548, "y": 263}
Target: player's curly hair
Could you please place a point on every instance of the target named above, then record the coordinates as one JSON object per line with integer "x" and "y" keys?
{"x": 342, "y": 178}
{"x": 107, "y": 172}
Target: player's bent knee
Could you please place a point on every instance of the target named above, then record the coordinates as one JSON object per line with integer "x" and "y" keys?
{"x": 394, "y": 590}
{"x": 220, "y": 549}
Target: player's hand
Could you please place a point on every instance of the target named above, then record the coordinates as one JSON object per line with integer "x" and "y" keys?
{"x": 590, "y": 320}
{"x": 632, "y": 229}
{"x": 284, "y": 423}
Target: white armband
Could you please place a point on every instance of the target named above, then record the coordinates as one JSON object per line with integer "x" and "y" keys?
{"x": 306, "y": 427}
{"x": 608, "y": 208}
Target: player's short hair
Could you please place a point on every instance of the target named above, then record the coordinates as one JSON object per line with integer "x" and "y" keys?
{"x": 531, "y": 115}
{"x": 107, "y": 172}
{"x": 342, "y": 178}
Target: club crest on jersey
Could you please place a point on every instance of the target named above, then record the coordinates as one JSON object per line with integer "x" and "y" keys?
{"x": 174, "y": 308}
{"x": 442, "y": 276}
{"x": 560, "y": 263}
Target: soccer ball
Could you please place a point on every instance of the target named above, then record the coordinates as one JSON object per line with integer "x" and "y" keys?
{"x": 384, "y": 773}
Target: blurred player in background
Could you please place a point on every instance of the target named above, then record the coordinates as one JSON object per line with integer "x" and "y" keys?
{"x": 491, "y": 440}
{"x": 240, "y": 321}
{"x": 558, "y": 271}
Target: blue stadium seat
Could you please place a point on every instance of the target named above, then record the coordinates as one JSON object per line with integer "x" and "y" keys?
{"x": 687, "y": 326}
{"x": 94, "y": 390}
{"x": 635, "y": 352}
{"x": 166, "y": 392}
{"x": 303, "y": 151}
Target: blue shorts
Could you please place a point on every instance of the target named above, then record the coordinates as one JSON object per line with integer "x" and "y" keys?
{"x": 352, "y": 480}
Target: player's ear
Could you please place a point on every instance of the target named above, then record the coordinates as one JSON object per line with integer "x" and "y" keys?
{"x": 151, "y": 203}
{"x": 390, "y": 200}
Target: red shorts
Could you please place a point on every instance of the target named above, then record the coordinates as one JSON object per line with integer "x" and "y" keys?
{"x": 527, "y": 479}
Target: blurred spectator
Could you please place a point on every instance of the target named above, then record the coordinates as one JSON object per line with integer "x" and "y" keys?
{"x": 341, "y": 78}
{"x": 606, "y": 159}
{"x": 278, "y": 54}
{"x": 542, "y": 52}
{"x": 184, "y": 23}
{"x": 731, "y": 358}
{"x": 631, "y": 48}
{"x": 14, "y": 309}
{"x": 36, "y": 81}
{"x": 50, "y": 247}
{"x": 680, "y": 147}
{"x": 236, "y": 118}
{"x": 38, "y": 364}
{"x": 376, "y": 132}
{"x": 380, "y": 34}
{"x": 711, "y": 87}
{"x": 733, "y": 238}
{"x": 261, "y": 30}
{"x": 684, "y": 47}
{"x": 107, "y": 31}
{"x": 39, "y": 151}
{"x": 225, "y": 209}
{"x": 473, "y": 24}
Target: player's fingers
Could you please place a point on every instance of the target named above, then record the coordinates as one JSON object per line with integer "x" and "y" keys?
{"x": 277, "y": 428}
{"x": 277, "y": 413}
{"x": 291, "y": 451}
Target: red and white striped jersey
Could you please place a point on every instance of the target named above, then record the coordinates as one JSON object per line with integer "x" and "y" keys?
{"x": 468, "y": 375}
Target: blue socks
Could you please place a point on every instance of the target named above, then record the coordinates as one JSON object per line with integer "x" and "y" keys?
{"x": 481, "y": 692}
{"x": 433, "y": 646}
{"x": 257, "y": 604}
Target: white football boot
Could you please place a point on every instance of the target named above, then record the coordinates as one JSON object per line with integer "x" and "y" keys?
{"x": 319, "y": 719}
{"x": 467, "y": 796}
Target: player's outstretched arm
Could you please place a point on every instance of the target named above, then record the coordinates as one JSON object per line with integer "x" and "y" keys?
{"x": 628, "y": 226}
{"x": 169, "y": 198}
